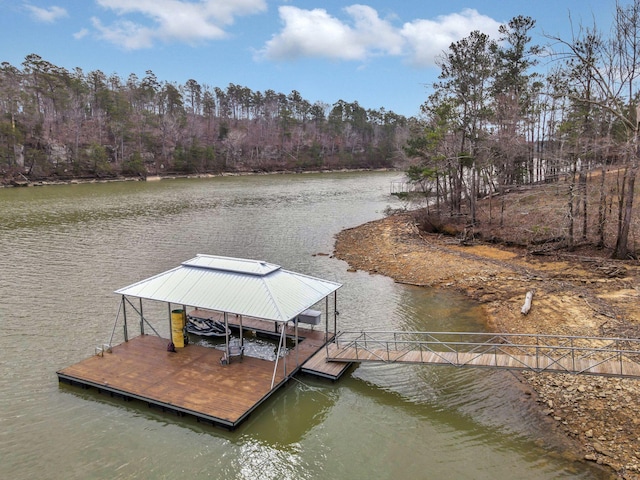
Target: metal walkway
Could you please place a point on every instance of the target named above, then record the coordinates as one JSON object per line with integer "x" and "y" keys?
{"x": 617, "y": 357}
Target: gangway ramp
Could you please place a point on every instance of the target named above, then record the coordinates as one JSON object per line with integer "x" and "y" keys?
{"x": 604, "y": 356}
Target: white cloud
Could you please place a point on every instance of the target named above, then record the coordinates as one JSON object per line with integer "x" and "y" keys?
{"x": 46, "y": 15}
{"x": 428, "y": 39}
{"x": 128, "y": 35}
{"x": 79, "y": 35}
{"x": 315, "y": 33}
{"x": 172, "y": 20}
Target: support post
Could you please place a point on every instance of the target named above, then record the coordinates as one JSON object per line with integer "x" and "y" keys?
{"x": 297, "y": 350}
{"x": 124, "y": 316}
{"x": 283, "y": 342}
{"x": 326, "y": 319}
{"x": 141, "y": 319}
{"x": 115, "y": 323}
{"x": 335, "y": 312}
{"x": 226, "y": 335}
{"x": 184, "y": 325}
{"x": 275, "y": 366}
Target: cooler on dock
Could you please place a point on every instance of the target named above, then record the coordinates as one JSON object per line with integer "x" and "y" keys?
{"x": 310, "y": 317}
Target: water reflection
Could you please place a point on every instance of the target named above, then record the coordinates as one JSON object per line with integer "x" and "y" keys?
{"x": 287, "y": 419}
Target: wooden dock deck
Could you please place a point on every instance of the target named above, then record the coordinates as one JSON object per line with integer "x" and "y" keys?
{"x": 192, "y": 380}
{"x": 318, "y": 366}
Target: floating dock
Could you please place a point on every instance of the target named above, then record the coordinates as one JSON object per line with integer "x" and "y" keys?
{"x": 222, "y": 387}
{"x": 192, "y": 381}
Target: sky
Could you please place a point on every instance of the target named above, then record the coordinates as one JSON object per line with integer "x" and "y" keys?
{"x": 380, "y": 53}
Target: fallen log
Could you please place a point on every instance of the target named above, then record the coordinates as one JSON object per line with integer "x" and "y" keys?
{"x": 527, "y": 302}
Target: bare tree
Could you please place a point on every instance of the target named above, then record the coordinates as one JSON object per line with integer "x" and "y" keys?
{"x": 610, "y": 68}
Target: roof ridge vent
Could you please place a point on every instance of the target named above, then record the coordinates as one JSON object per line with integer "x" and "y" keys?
{"x": 230, "y": 264}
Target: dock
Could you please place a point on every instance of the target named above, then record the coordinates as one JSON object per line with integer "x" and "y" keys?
{"x": 219, "y": 384}
{"x": 192, "y": 381}
{"x": 189, "y": 382}
{"x": 319, "y": 366}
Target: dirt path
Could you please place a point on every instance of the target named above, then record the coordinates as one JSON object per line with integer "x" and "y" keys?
{"x": 573, "y": 295}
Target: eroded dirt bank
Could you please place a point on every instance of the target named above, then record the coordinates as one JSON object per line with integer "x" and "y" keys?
{"x": 573, "y": 295}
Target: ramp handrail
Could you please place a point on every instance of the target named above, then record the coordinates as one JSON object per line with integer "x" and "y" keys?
{"x": 537, "y": 352}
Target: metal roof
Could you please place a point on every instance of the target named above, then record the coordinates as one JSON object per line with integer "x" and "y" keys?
{"x": 235, "y": 285}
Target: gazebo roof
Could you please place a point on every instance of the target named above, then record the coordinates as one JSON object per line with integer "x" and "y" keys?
{"x": 235, "y": 285}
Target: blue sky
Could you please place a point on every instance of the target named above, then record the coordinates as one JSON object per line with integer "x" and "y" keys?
{"x": 380, "y": 53}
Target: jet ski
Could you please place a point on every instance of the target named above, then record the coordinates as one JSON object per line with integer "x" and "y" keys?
{"x": 206, "y": 327}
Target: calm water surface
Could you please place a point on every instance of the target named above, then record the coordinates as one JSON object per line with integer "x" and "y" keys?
{"x": 65, "y": 249}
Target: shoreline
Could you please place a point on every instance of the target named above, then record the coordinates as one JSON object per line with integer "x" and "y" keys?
{"x": 573, "y": 296}
{"x": 155, "y": 178}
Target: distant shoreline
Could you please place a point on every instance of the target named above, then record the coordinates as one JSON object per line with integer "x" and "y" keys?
{"x": 155, "y": 178}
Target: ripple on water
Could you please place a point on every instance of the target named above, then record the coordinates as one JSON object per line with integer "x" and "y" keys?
{"x": 66, "y": 249}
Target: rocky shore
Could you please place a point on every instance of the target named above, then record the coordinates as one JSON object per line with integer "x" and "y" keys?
{"x": 574, "y": 294}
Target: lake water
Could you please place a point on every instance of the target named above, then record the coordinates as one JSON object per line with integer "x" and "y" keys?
{"x": 65, "y": 249}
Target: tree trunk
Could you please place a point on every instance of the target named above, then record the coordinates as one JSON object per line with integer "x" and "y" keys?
{"x": 602, "y": 206}
{"x": 570, "y": 207}
{"x": 621, "y": 250}
{"x": 474, "y": 192}
{"x": 582, "y": 182}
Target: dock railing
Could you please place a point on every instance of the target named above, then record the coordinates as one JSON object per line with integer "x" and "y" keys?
{"x": 539, "y": 353}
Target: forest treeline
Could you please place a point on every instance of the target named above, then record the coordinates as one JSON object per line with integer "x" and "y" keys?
{"x": 57, "y": 123}
{"x": 497, "y": 120}
{"x": 503, "y": 114}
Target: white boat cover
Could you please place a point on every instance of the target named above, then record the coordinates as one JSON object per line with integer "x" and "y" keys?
{"x": 234, "y": 285}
